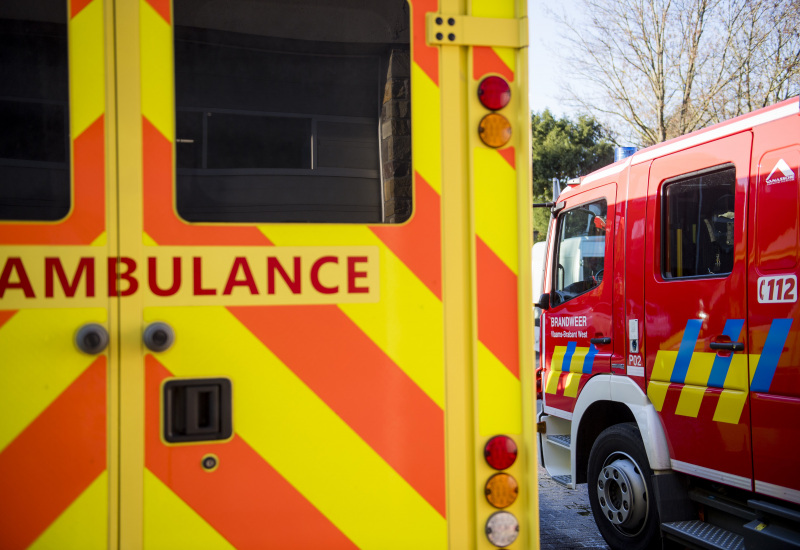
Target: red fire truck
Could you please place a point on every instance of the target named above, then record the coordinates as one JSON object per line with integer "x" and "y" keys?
{"x": 671, "y": 339}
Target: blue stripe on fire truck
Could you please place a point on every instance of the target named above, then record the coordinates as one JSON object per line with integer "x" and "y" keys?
{"x": 771, "y": 354}
{"x": 686, "y": 350}
{"x": 588, "y": 361}
{"x": 568, "y": 356}
{"x": 719, "y": 370}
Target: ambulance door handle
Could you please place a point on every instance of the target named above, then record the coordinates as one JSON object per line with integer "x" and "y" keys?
{"x": 158, "y": 336}
{"x": 92, "y": 338}
{"x": 727, "y": 346}
{"x": 600, "y": 341}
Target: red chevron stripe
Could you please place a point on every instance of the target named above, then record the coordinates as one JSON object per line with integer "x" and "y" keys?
{"x": 5, "y": 315}
{"x": 497, "y": 307}
{"x": 87, "y": 219}
{"x": 54, "y": 460}
{"x": 427, "y": 57}
{"x": 160, "y": 220}
{"x": 485, "y": 60}
{"x": 348, "y": 371}
{"x": 418, "y": 243}
{"x": 162, "y": 8}
{"x": 244, "y": 499}
{"x": 510, "y": 155}
{"x": 76, "y": 6}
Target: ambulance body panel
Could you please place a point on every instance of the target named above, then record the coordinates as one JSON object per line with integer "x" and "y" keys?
{"x": 261, "y": 278}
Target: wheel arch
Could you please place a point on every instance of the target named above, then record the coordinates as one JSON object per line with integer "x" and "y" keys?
{"x": 607, "y": 400}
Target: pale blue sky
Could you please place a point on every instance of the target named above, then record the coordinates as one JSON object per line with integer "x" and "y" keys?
{"x": 544, "y": 67}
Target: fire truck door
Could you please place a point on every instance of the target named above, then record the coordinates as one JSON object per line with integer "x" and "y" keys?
{"x": 696, "y": 322}
{"x": 775, "y": 317}
{"x": 57, "y": 333}
{"x": 577, "y": 331}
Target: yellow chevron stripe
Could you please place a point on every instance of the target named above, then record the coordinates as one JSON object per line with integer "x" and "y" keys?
{"x": 558, "y": 357}
{"x": 39, "y": 362}
{"x": 495, "y": 197}
{"x": 730, "y": 406}
{"x": 663, "y": 365}
{"x": 101, "y": 240}
{"x": 157, "y": 70}
{"x": 573, "y": 383}
{"x": 657, "y": 392}
{"x": 690, "y": 400}
{"x": 499, "y": 396}
{"x": 426, "y": 147}
{"x": 84, "y": 524}
{"x": 552, "y": 381}
{"x": 737, "y": 372}
{"x": 413, "y": 338}
{"x": 319, "y": 454}
{"x": 86, "y": 68}
{"x": 576, "y": 364}
{"x": 170, "y": 523}
{"x": 509, "y": 57}
{"x": 699, "y": 368}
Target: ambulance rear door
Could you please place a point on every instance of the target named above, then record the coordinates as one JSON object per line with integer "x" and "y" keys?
{"x": 57, "y": 322}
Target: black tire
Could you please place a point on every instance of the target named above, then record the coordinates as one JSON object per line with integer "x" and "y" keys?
{"x": 620, "y": 490}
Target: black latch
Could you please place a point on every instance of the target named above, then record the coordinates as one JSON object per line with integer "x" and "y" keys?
{"x": 197, "y": 409}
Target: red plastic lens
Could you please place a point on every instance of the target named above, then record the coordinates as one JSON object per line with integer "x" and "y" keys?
{"x": 494, "y": 93}
{"x": 500, "y": 452}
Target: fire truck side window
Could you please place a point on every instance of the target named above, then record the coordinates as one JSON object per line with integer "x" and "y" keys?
{"x": 697, "y": 225}
{"x": 581, "y": 251}
{"x": 291, "y": 114}
{"x": 34, "y": 112}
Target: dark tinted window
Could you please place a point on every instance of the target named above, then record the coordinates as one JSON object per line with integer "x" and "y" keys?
{"x": 34, "y": 114}
{"x": 283, "y": 109}
{"x": 697, "y": 230}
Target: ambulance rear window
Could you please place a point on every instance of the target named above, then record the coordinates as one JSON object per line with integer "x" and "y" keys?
{"x": 34, "y": 112}
{"x": 697, "y": 225}
{"x": 293, "y": 111}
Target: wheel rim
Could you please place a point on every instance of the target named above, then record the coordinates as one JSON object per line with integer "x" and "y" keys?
{"x": 622, "y": 494}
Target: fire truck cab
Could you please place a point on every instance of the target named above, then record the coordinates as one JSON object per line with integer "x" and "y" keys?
{"x": 671, "y": 340}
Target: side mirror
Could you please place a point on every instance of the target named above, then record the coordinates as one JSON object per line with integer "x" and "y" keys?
{"x": 544, "y": 301}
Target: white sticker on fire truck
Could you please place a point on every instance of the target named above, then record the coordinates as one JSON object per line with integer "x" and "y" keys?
{"x": 781, "y": 173}
{"x": 777, "y": 289}
{"x": 635, "y": 367}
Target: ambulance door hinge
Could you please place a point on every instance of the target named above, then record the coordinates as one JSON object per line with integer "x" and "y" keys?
{"x": 465, "y": 30}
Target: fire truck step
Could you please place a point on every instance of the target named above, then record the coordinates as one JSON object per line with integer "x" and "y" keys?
{"x": 563, "y": 480}
{"x": 560, "y": 440}
{"x": 703, "y": 535}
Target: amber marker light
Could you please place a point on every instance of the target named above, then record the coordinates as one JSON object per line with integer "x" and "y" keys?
{"x": 500, "y": 452}
{"x": 501, "y": 490}
{"x": 495, "y": 130}
{"x": 494, "y": 93}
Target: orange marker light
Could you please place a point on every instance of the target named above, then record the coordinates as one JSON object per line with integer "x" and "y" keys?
{"x": 501, "y": 490}
{"x": 495, "y": 130}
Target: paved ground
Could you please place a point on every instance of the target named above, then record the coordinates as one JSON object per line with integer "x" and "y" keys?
{"x": 565, "y": 517}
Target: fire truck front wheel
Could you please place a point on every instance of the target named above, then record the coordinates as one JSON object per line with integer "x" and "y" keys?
{"x": 620, "y": 490}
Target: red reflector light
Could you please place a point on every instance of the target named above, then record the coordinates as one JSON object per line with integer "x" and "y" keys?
{"x": 494, "y": 93}
{"x": 500, "y": 452}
